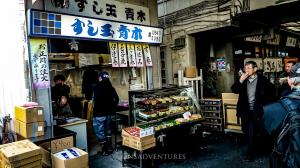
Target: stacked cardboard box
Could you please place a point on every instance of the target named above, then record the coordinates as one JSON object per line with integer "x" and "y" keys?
{"x": 135, "y": 138}
{"x": 29, "y": 121}
{"x": 20, "y": 154}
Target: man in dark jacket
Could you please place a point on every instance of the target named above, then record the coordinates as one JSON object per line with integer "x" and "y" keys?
{"x": 60, "y": 97}
{"x": 254, "y": 92}
{"x": 274, "y": 116}
{"x": 284, "y": 88}
{"x": 105, "y": 101}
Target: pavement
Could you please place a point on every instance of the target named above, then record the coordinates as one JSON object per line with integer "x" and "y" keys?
{"x": 226, "y": 154}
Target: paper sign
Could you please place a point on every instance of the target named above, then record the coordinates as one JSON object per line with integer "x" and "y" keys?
{"x": 40, "y": 128}
{"x": 114, "y": 54}
{"x": 187, "y": 115}
{"x": 39, "y": 63}
{"x": 40, "y": 112}
{"x": 139, "y": 55}
{"x": 131, "y": 55}
{"x": 147, "y": 55}
{"x": 122, "y": 54}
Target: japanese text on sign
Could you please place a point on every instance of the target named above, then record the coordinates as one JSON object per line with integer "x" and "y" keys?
{"x": 139, "y": 55}
{"x": 39, "y": 63}
{"x": 114, "y": 54}
{"x": 103, "y": 9}
{"x": 131, "y": 55}
{"x": 147, "y": 54}
{"x": 122, "y": 54}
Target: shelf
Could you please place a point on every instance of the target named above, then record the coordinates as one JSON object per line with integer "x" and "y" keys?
{"x": 213, "y": 117}
{"x": 210, "y": 111}
{"x": 162, "y": 118}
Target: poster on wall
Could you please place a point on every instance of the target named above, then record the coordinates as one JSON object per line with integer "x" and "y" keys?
{"x": 39, "y": 63}
{"x": 279, "y": 65}
{"x": 114, "y": 54}
{"x": 221, "y": 64}
{"x": 131, "y": 55}
{"x": 147, "y": 55}
{"x": 122, "y": 54}
{"x": 139, "y": 55}
{"x": 270, "y": 65}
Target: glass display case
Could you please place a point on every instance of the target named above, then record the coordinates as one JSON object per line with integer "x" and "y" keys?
{"x": 163, "y": 108}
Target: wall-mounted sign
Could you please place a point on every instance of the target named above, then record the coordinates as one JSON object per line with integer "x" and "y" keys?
{"x": 102, "y": 9}
{"x": 114, "y": 54}
{"x": 139, "y": 55}
{"x": 291, "y": 42}
{"x": 275, "y": 40}
{"x": 39, "y": 63}
{"x": 147, "y": 54}
{"x": 131, "y": 55}
{"x": 52, "y": 24}
{"x": 122, "y": 54}
{"x": 254, "y": 39}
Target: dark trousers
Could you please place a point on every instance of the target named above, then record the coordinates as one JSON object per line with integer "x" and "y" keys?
{"x": 250, "y": 128}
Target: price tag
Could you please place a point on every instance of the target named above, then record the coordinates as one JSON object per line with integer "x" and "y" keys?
{"x": 40, "y": 112}
{"x": 40, "y": 128}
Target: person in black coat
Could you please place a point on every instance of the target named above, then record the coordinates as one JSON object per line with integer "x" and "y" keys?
{"x": 254, "y": 91}
{"x": 105, "y": 100}
{"x": 60, "y": 97}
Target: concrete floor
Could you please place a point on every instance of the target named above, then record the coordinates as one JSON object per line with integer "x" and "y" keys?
{"x": 218, "y": 155}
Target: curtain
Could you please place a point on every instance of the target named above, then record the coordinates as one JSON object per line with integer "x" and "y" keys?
{"x": 13, "y": 51}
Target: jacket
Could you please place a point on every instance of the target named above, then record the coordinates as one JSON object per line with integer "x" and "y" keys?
{"x": 264, "y": 94}
{"x": 105, "y": 99}
{"x": 275, "y": 113}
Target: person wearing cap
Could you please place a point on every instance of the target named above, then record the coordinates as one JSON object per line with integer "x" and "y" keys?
{"x": 254, "y": 91}
{"x": 275, "y": 113}
{"x": 105, "y": 100}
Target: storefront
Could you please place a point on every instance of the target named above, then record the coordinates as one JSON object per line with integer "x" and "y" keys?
{"x": 74, "y": 37}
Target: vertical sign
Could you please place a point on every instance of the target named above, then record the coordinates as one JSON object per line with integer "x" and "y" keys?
{"x": 39, "y": 63}
{"x": 114, "y": 54}
{"x": 139, "y": 55}
{"x": 122, "y": 54}
{"x": 147, "y": 54}
{"x": 131, "y": 55}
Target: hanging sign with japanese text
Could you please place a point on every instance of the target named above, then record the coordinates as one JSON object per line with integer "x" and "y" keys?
{"x": 147, "y": 55}
{"x": 139, "y": 55}
{"x": 39, "y": 63}
{"x": 102, "y": 9}
{"x": 122, "y": 54}
{"x": 275, "y": 40}
{"x": 58, "y": 25}
{"x": 114, "y": 54}
{"x": 131, "y": 55}
{"x": 291, "y": 42}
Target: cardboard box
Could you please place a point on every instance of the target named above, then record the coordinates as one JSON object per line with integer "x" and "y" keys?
{"x": 19, "y": 150}
{"x": 28, "y": 130}
{"x": 138, "y": 143}
{"x": 144, "y": 144}
{"x": 54, "y": 146}
{"x": 29, "y": 114}
{"x": 80, "y": 162}
{"x": 58, "y": 145}
{"x": 5, "y": 163}
{"x": 231, "y": 122}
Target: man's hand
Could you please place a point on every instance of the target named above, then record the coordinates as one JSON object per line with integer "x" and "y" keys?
{"x": 243, "y": 77}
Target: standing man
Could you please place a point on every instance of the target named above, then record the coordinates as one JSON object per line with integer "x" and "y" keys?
{"x": 105, "y": 102}
{"x": 254, "y": 91}
{"x": 284, "y": 88}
